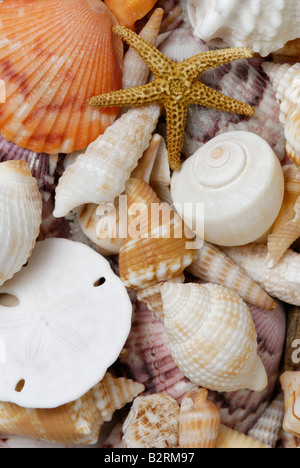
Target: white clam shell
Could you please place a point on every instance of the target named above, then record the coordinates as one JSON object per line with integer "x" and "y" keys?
{"x": 20, "y": 216}
{"x": 262, "y": 25}
{"x": 239, "y": 180}
{"x": 66, "y": 330}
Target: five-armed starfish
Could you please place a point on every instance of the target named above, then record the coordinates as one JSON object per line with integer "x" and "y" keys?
{"x": 176, "y": 86}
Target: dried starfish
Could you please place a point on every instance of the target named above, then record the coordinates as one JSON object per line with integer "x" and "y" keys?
{"x": 176, "y": 86}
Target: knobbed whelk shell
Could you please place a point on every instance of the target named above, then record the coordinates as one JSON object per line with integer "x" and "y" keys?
{"x": 20, "y": 214}
{"x": 290, "y": 382}
{"x": 214, "y": 266}
{"x": 76, "y": 423}
{"x": 199, "y": 421}
{"x": 152, "y": 423}
{"x": 100, "y": 174}
{"x": 286, "y": 82}
{"x": 234, "y": 163}
{"x": 53, "y": 57}
{"x": 212, "y": 337}
{"x": 264, "y": 26}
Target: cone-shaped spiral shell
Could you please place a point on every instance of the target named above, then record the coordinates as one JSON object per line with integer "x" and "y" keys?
{"x": 100, "y": 174}
{"x": 235, "y": 162}
{"x": 214, "y": 266}
{"x": 263, "y": 26}
{"x": 199, "y": 421}
{"x": 290, "y": 382}
{"x": 129, "y": 11}
{"x": 156, "y": 251}
{"x": 286, "y": 228}
{"x": 229, "y": 439}
{"x": 20, "y": 214}
{"x": 76, "y": 423}
{"x": 286, "y": 82}
{"x": 152, "y": 422}
{"x": 53, "y": 57}
{"x": 212, "y": 337}
{"x": 281, "y": 281}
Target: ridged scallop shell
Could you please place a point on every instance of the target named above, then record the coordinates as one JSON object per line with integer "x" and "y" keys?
{"x": 152, "y": 423}
{"x": 128, "y": 12}
{"x": 214, "y": 266}
{"x": 286, "y": 229}
{"x": 244, "y": 77}
{"x": 66, "y": 61}
{"x": 99, "y": 175}
{"x": 21, "y": 216}
{"x": 282, "y": 281}
{"x": 263, "y": 26}
{"x": 199, "y": 421}
{"x": 230, "y": 439}
{"x": 76, "y": 423}
{"x": 290, "y": 382}
{"x": 267, "y": 428}
{"x": 286, "y": 82}
{"x": 159, "y": 252}
{"x": 212, "y": 337}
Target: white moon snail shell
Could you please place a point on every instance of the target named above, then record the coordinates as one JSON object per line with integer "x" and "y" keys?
{"x": 239, "y": 180}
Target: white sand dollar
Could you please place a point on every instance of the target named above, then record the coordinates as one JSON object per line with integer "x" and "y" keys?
{"x": 70, "y": 323}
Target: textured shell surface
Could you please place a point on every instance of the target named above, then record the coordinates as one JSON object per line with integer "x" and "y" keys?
{"x": 264, "y": 26}
{"x": 75, "y": 423}
{"x": 230, "y": 439}
{"x": 199, "y": 421}
{"x": 230, "y": 164}
{"x": 152, "y": 422}
{"x": 77, "y": 319}
{"x": 99, "y": 175}
{"x": 242, "y": 78}
{"x": 21, "y": 216}
{"x": 48, "y": 86}
{"x": 290, "y": 382}
{"x": 212, "y": 337}
{"x": 282, "y": 281}
{"x": 286, "y": 81}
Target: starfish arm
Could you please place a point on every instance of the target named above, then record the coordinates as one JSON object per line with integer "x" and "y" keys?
{"x": 158, "y": 63}
{"x": 139, "y": 96}
{"x": 195, "y": 66}
{"x": 176, "y": 119}
{"x": 208, "y": 97}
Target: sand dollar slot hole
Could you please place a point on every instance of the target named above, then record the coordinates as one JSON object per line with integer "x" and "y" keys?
{"x": 7, "y": 300}
{"x": 99, "y": 282}
{"x": 20, "y": 386}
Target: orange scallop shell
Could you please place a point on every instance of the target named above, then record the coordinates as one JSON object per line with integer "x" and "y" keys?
{"x": 55, "y": 55}
{"x": 128, "y": 12}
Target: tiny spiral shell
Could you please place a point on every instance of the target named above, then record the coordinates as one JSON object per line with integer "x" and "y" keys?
{"x": 199, "y": 421}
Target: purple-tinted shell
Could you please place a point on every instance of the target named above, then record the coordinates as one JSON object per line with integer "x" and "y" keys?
{"x": 244, "y": 80}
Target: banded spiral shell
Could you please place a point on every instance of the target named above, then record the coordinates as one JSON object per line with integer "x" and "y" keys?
{"x": 21, "y": 216}
{"x": 264, "y": 26}
{"x": 212, "y": 337}
{"x": 53, "y": 57}
{"x": 234, "y": 163}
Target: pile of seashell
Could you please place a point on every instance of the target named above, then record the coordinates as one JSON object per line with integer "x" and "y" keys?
{"x": 195, "y": 320}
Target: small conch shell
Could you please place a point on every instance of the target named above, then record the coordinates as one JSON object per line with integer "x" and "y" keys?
{"x": 157, "y": 251}
{"x": 52, "y": 60}
{"x": 152, "y": 423}
{"x": 76, "y": 423}
{"x": 286, "y": 82}
{"x": 229, "y": 439}
{"x": 20, "y": 214}
{"x": 213, "y": 265}
{"x": 282, "y": 281}
{"x": 264, "y": 26}
{"x": 212, "y": 337}
{"x": 99, "y": 175}
{"x": 199, "y": 421}
{"x": 290, "y": 382}
{"x": 128, "y": 12}
{"x": 233, "y": 163}
{"x": 286, "y": 228}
